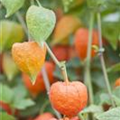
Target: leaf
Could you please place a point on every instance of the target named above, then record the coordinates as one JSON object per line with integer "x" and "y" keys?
{"x": 114, "y": 68}
{"x": 6, "y": 94}
{"x": 112, "y": 114}
{"x": 116, "y": 100}
{"x": 69, "y": 4}
{"x": 98, "y": 79}
{"x": 116, "y": 96}
{"x": 102, "y": 5}
{"x": 116, "y": 92}
{"x": 105, "y": 99}
{"x": 11, "y": 32}
{"x": 5, "y": 116}
{"x": 20, "y": 91}
{"x": 37, "y": 107}
{"x": 96, "y": 3}
{"x": 111, "y": 32}
{"x": 23, "y": 104}
{"x": 40, "y": 22}
{"x": 75, "y": 62}
{"x": 63, "y": 30}
{"x": 9, "y": 67}
{"x": 92, "y": 109}
{"x": 12, "y": 6}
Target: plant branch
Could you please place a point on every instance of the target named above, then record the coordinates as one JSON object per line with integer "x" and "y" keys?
{"x": 21, "y": 20}
{"x": 87, "y": 74}
{"x": 47, "y": 85}
{"x": 102, "y": 60}
{"x": 61, "y": 65}
{"x": 38, "y": 2}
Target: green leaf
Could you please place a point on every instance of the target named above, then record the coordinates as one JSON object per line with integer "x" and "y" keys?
{"x": 9, "y": 67}
{"x": 116, "y": 96}
{"x": 116, "y": 92}
{"x": 5, "y": 116}
{"x": 40, "y": 22}
{"x": 11, "y": 32}
{"x": 6, "y": 94}
{"x": 35, "y": 108}
{"x": 111, "y": 31}
{"x": 98, "y": 78}
{"x": 69, "y": 4}
{"x": 12, "y": 6}
{"x": 114, "y": 68}
{"x": 75, "y": 62}
{"x": 116, "y": 100}
{"x": 92, "y": 109}
{"x": 105, "y": 99}
{"x": 96, "y": 3}
{"x": 112, "y": 114}
{"x": 102, "y": 5}
{"x": 20, "y": 91}
{"x": 23, "y": 104}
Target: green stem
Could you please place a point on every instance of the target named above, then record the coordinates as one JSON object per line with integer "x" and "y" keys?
{"x": 42, "y": 110}
{"x": 46, "y": 79}
{"x": 38, "y": 2}
{"x": 52, "y": 55}
{"x": 18, "y": 15}
{"x": 47, "y": 86}
{"x": 87, "y": 74}
{"x": 102, "y": 60}
{"x": 61, "y": 65}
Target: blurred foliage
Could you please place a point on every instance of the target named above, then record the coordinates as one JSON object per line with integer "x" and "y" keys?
{"x": 11, "y": 32}
{"x": 5, "y": 116}
{"x": 12, "y": 89}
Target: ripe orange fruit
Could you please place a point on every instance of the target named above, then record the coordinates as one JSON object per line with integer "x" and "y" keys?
{"x": 61, "y": 52}
{"x": 63, "y": 30}
{"x": 66, "y": 118}
{"x": 53, "y": 119}
{"x": 44, "y": 116}
{"x": 68, "y": 98}
{"x": 75, "y": 118}
{"x": 81, "y": 42}
{"x": 29, "y": 57}
{"x": 117, "y": 82}
{"x": 39, "y": 85}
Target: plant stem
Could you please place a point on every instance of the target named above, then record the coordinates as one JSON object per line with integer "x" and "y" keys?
{"x": 42, "y": 109}
{"x": 102, "y": 60}
{"x": 61, "y": 65}
{"x": 46, "y": 79}
{"x": 52, "y": 55}
{"x": 38, "y": 2}
{"x": 47, "y": 85}
{"x": 18, "y": 15}
{"x": 87, "y": 75}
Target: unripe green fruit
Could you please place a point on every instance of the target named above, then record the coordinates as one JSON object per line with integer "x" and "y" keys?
{"x": 12, "y": 6}
{"x": 40, "y": 22}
